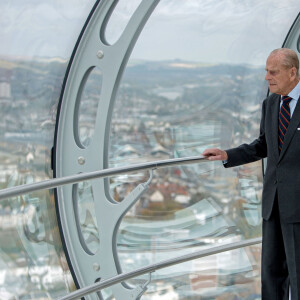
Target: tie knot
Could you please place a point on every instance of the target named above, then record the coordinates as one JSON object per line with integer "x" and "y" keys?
{"x": 286, "y": 99}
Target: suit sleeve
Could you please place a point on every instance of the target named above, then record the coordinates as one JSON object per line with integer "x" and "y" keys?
{"x": 247, "y": 153}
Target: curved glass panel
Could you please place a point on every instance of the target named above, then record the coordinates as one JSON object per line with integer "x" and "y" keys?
{"x": 122, "y": 185}
{"x": 121, "y": 14}
{"x": 229, "y": 275}
{"x": 195, "y": 79}
{"x": 86, "y": 107}
{"x": 86, "y": 221}
{"x": 37, "y": 39}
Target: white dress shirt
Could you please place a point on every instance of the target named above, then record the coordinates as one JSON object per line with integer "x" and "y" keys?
{"x": 294, "y": 94}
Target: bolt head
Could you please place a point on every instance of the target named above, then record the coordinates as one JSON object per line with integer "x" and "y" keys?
{"x": 81, "y": 160}
{"x": 100, "y": 54}
{"x": 96, "y": 267}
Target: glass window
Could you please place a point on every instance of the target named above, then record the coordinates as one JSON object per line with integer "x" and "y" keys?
{"x": 121, "y": 14}
{"x": 195, "y": 79}
{"x": 37, "y": 39}
{"x": 86, "y": 107}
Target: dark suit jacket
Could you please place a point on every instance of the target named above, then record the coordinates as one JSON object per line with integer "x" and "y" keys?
{"x": 283, "y": 170}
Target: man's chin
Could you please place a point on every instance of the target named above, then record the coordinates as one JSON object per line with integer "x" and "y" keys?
{"x": 273, "y": 90}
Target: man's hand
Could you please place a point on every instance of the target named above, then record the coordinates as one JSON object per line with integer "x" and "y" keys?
{"x": 215, "y": 154}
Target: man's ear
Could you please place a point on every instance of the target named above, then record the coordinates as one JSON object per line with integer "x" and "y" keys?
{"x": 293, "y": 73}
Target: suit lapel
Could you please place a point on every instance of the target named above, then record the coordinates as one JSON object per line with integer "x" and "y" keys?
{"x": 291, "y": 129}
{"x": 275, "y": 117}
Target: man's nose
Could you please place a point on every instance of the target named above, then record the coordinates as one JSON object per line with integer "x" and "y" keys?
{"x": 267, "y": 77}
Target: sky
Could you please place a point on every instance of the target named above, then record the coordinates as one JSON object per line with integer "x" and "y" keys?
{"x": 40, "y": 27}
{"x": 216, "y": 31}
{"x": 238, "y": 31}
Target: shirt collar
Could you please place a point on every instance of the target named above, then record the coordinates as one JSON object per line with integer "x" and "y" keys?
{"x": 295, "y": 93}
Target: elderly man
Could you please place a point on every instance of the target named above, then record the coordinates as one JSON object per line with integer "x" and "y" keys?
{"x": 279, "y": 141}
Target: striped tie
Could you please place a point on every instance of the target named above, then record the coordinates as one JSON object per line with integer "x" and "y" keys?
{"x": 284, "y": 119}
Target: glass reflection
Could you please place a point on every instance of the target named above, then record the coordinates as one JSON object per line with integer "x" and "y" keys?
{"x": 195, "y": 79}
{"x": 30, "y": 250}
{"x": 119, "y": 19}
{"x": 86, "y": 221}
{"x": 86, "y": 107}
{"x": 229, "y": 275}
{"x": 37, "y": 39}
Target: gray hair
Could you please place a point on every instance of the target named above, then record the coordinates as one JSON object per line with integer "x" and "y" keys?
{"x": 290, "y": 58}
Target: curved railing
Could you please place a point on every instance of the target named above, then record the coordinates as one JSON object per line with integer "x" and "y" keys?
{"x": 56, "y": 182}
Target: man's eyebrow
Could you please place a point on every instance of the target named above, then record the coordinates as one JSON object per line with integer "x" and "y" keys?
{"x": 271, "y": 70}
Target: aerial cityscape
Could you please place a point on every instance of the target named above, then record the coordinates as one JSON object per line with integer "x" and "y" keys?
{"x": 162, "y": 110}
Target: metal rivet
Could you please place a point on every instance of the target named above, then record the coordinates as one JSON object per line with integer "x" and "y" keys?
{"x": 81, "y": 160}
{"x": 96, "y": 267}
{"x": 100, "y": 54}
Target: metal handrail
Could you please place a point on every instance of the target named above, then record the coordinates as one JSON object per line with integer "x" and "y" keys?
{"x": 56, "y": 182}
{"x": 154, "y": 267}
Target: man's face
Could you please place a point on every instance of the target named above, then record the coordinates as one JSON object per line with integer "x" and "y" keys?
{"x": 281, "y": 79}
